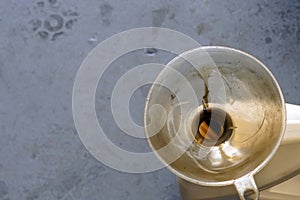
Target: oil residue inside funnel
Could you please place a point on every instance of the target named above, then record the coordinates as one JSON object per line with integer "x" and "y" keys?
{"x": 215, "y": 127}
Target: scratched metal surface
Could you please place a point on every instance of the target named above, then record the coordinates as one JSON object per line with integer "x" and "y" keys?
{"x": 41, "y": 156}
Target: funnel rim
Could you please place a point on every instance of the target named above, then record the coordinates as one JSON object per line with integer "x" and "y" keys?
{"x": 276, "y": 145}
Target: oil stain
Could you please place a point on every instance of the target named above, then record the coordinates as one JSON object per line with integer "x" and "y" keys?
{"x": 3, "y": 189}
{"x": 172, "y": 16}
{"x": 69, "y": 24}
{"x": 159, "y": 16}
{"x": 54, "y": 23}
{"x": 56, "y": 35}
{"x": 36, "y": 24}
{"x": 298, "y": 35}
{"x": 259, "y": 9}
{"x": 268, "y": 40}
{"x": 43, "y": 34}
{"x": 70, "y": 13}
{"x": 40, "y": 4}
{"x": 53, "y": 3}
{"x": 203, "y": 28}
{"x": 106, "y": 12}
{"x": 1, "y": 77}
{"x": 205, "y": 96}
{"x": 106, "y": 22}
{"x": 34, "y": 151}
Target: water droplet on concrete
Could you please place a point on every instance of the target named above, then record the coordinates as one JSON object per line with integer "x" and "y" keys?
{"x": 93, "y": 39}
{"x": 150, "y": 51}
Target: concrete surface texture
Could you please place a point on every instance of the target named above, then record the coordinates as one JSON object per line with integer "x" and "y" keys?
{"x": 42, "y": 44}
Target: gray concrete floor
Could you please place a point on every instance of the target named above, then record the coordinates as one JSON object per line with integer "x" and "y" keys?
{"x": 41, "y": 156}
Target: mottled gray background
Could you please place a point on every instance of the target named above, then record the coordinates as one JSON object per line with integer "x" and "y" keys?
{"x": 41, "y": 156}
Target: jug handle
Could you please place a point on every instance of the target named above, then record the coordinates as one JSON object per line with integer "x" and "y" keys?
{"x": 292, "y": 132}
